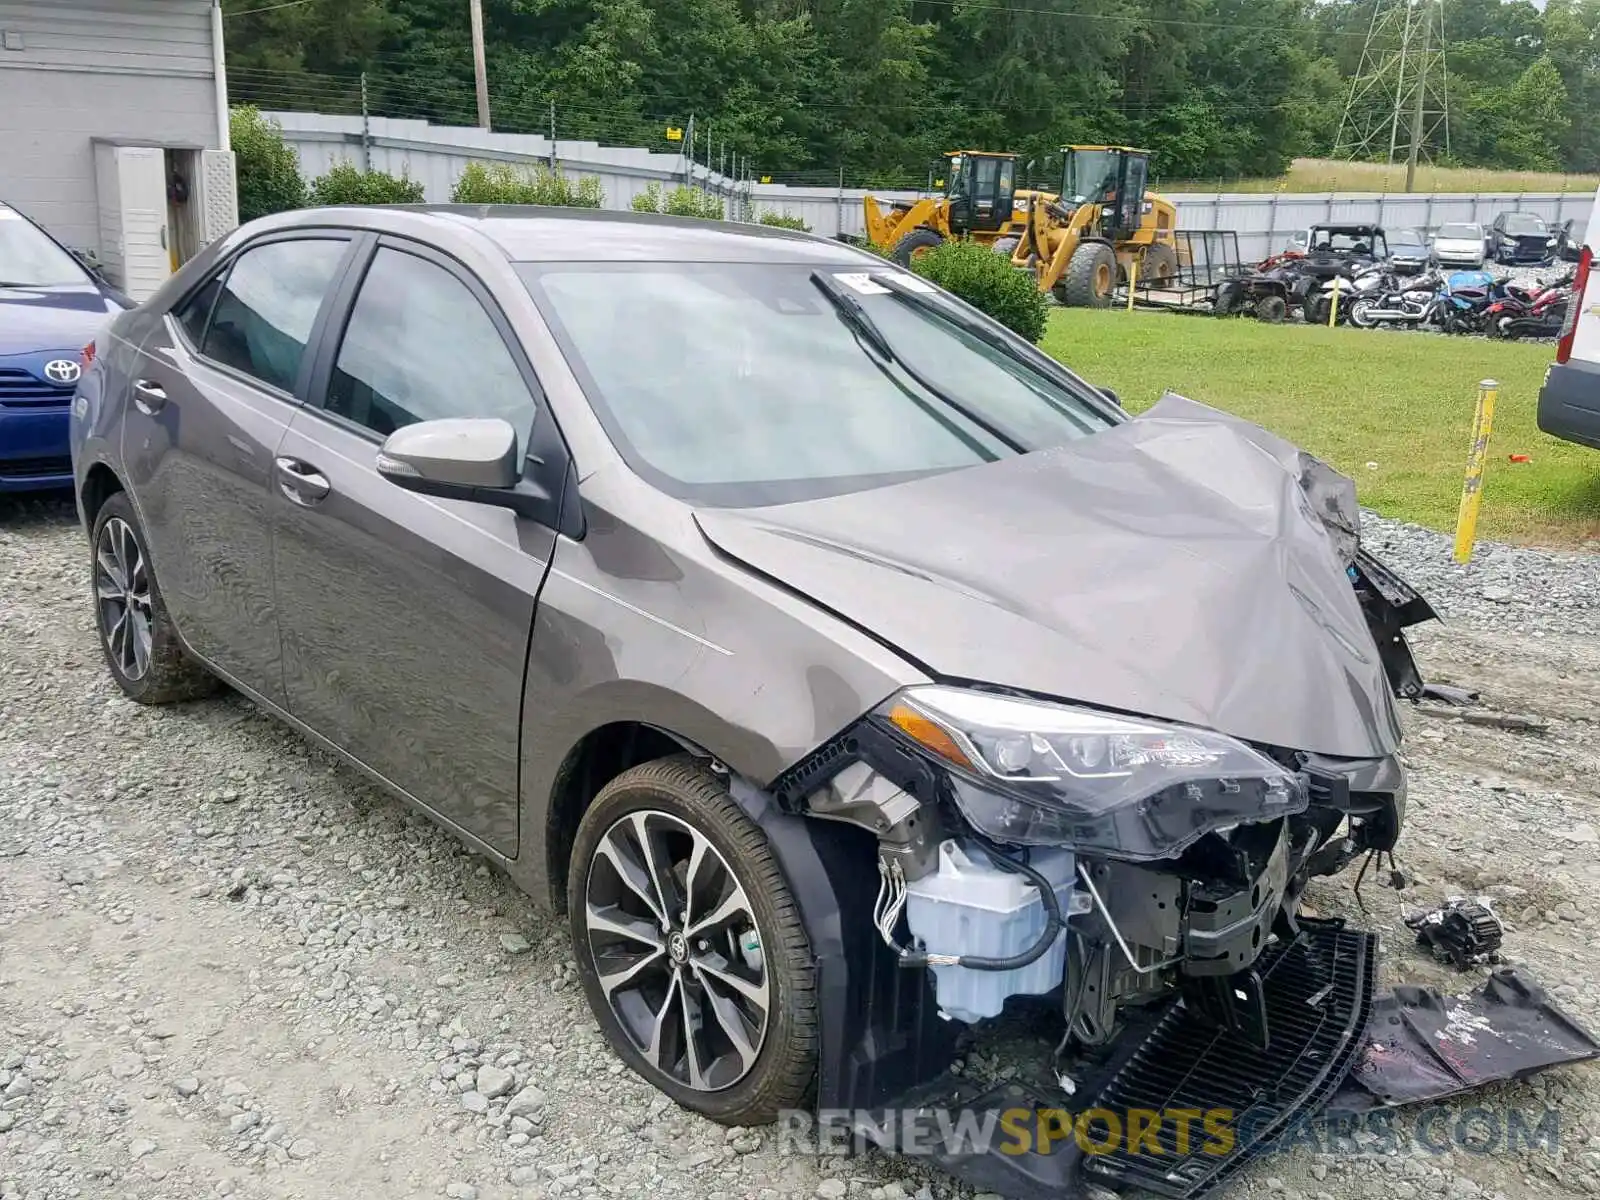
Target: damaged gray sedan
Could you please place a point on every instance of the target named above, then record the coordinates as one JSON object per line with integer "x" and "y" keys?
{"x": 843, "y": 666}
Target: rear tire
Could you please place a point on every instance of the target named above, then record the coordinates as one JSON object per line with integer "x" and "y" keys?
{"x": 914, "y": 245}
{"x": 137, "y": 635}
{"x": 1358, "y": 314}
{"x": 1159, "y": 265}
{"x": 666, "y": 978}
{"x": 1091, "y": 277}
{"x": 1229, "y": 298}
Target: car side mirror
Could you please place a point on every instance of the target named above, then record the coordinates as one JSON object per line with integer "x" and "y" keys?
{"x": 459, "y": 458}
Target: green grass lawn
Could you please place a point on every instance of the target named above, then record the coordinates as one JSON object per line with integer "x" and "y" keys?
{"x": 1392, "y": 410}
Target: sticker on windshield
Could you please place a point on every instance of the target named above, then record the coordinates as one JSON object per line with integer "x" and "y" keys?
{"x": 862, "y": 282}
{"x": 914, "y": 283}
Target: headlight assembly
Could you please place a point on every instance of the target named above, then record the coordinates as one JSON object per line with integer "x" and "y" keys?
{"x": 1035, "y": 773}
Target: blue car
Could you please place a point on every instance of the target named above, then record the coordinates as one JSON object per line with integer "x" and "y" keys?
{"x": 51, "y": 306}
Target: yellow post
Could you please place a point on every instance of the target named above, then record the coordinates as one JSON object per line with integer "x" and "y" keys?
{"x": 1472, "y": 489}
{"x": 1133, "y": 280}
{"x": 1333, "y": 309}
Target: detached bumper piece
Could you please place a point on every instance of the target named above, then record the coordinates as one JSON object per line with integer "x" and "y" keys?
{"x": 1317, "y": 995}
{"x": 1424, "y": 1046}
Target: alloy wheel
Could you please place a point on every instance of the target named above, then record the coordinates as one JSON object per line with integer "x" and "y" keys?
{"x": 122, "y": 592}
{"x": 677, "y": 951}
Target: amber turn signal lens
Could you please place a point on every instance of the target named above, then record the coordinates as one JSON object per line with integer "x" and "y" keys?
{"x": 928, "y": 734}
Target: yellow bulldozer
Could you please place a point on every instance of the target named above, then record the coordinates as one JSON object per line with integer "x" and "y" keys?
{"x": 1078, "y": 242}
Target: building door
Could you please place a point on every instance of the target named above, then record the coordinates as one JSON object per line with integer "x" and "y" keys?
{"x": 131, "y": 182}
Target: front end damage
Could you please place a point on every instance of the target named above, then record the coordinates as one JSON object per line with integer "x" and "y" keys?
{"x": 960, "y": 846}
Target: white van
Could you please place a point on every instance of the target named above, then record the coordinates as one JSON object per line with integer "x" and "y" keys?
{"x": 1569, "y": 401}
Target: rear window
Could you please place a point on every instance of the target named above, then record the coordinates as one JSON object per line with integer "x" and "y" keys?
{"x": 262, "y": 319}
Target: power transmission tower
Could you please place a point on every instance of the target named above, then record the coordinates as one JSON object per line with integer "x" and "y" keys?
{"x": 1399, "y": 107}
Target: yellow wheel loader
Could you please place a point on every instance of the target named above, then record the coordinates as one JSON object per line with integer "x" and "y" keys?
{"x": 1081, "y": 243}
{"x": 980, "y": 202}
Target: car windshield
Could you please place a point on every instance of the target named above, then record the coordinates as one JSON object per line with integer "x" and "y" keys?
{"x": 736, "y": 384}
{"x": 1406, "y": 240}
{"x": 1523, "y": 224}
{"x": 30, "y": 259}
{"x": 1460, "y": 232}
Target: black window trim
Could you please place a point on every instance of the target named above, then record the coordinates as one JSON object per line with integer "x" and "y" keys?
{"x": 310, "y": 233}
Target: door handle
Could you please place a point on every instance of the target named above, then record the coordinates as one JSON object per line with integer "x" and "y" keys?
{"x": 301, "y": 482}
{"x": 149, "y": 397}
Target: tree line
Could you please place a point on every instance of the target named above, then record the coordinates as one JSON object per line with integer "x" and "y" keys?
{"x": 876, "y": 89}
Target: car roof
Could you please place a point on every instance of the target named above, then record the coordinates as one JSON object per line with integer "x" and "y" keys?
{"x": 540, "y": 233}
{"x": 1335, "y": 227}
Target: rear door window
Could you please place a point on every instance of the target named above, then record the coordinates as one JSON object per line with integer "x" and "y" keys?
{"x": 264, "y": 313}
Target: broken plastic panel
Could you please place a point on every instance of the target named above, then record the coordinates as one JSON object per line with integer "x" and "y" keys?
{"x": 1422, "y": 1045}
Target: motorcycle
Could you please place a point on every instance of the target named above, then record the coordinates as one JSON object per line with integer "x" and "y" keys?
{"x": 1463, "y": 296}
{"x": 1538, "y": 314}
{"x": 1407, "y": 306}
{"x": 1370, "y": 281}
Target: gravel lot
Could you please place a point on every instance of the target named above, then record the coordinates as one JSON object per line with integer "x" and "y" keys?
{"x": 229, "y": 966}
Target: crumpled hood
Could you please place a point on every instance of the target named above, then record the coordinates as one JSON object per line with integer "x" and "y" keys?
{"x": 1185, "y": 564}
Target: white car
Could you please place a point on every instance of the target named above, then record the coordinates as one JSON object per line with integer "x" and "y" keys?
{"x": 1569, "y": 401}
{"x": 1459, "y": 245}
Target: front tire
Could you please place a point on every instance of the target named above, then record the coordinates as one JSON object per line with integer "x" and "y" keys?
{"x": 137, "y": 634}
{"x": 1091, "y": 277}
{"x": 1272, "y": 309}
{"x": 914, "y": 245}
{"x": 690, "y": 946}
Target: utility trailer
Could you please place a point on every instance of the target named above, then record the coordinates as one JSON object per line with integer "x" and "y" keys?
{"x": 1206, "y": 257}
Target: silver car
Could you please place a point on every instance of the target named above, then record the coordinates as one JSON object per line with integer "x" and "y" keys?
{"x": 826, "y": 652}
{"x": 1459, "y": 245}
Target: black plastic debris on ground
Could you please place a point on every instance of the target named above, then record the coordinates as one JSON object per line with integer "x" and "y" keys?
{"x": 1422, "y": 1045}
{"x": 1318, "y": 994}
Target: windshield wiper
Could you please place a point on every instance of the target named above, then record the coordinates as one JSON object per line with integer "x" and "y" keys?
{"x": 856, "y": 315}
{"x": 1050, "y": 370}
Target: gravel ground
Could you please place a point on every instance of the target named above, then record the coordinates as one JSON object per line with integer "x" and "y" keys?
{"x": 229, "y": 966}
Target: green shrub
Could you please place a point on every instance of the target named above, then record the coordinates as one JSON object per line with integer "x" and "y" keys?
{"x": 988, "y": 282}
{"x": 266, "y": 166}
{"x": 691, "y": 202}
{"x": 348, "y": 184}
{"x": 649, "y": 200}
{"x": 501, "y": 183}
{"x": 783, "y": 220}
{"x": 680, "y": 202}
